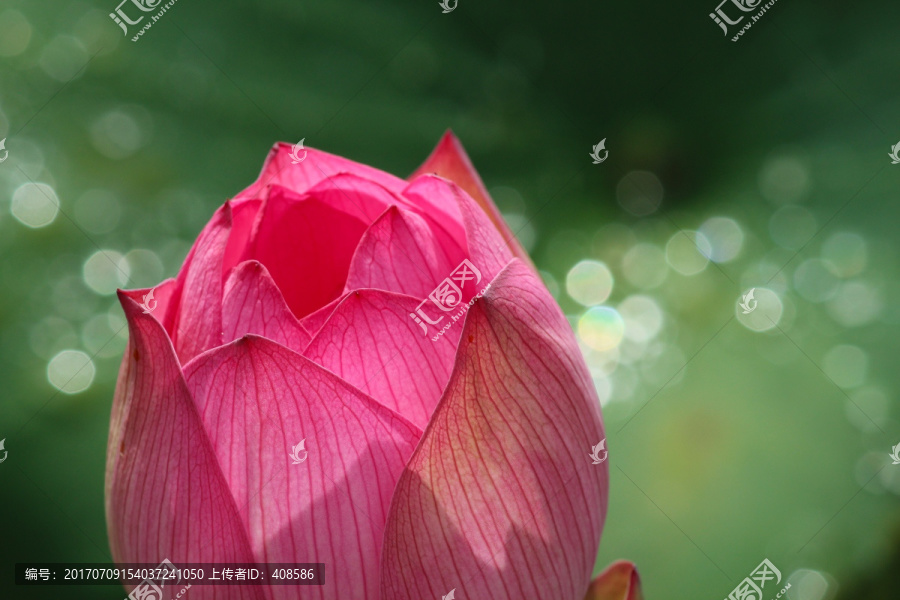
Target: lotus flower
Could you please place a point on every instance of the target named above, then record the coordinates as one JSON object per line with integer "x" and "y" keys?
{"x": 400, "y": 333}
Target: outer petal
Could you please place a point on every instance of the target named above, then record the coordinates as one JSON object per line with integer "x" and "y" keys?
{"x": 197, "y": 324}
{"x": 371, "y": 341}
{"x": 254, "y": 304}
{"x": 307, "y": 246}
{"x": 486, "y": 247}
{"x": 258, "y": 400}
{"x": 449, "y": 160}
{"x": 243, "y": 217}
{"x": 280, "y": 170}
{"x": 441, "y": 206}
{"x": 219, "y": 246}
{"x": 165, "y": 494}
{"x": 399, "y": 253}
{"x": 158, "y": 300}
{"x": 500, "y": 499}
{"x": 620, "y": 581}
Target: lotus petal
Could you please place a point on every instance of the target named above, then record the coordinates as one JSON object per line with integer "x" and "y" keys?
{"x": 308, "y": 261}
{"x": 450, "y": 161}
{"x": 398, "y": 253}
{"x": 166, "y": 497}
{"x": 620, "y": 581}
{"x": 254, "y": 304}
{"x": 485, "y": 246}
{"x": 258, "y": 400}
{"x": 500, "y": 499}
{"x": 196, "y": 325}
{"x": 371, "y": 341}
{"x": 279, "y": 169}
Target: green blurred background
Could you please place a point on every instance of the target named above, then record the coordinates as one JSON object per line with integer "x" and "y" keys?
{"x": 733, "y": 437}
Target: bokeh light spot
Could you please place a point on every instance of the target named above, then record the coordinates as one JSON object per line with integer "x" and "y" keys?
{"x": 643, "y": 318}
{"x": 688, "y": 252}
{"x": 117, "y": 134}
{"x": 589, "y": 282}
{"x": 64, "y": 58}
{"x": 144, "y": 268}
{"x": 765, "y": 314}
{"x": 807, "y": 584}
{"x": 725, "y": 236}
{"x": 644, "y": 266}
{"x": 601, "y": 328}
{"x": 856, "y": 303}
{"x": 71, "y": 371}
{"x": 105, "y": 271}
{"x": 604, "y": 388}
{"x": 99, "y": 339}
{"x": 15, "y": 33}
{"x": 35, "y": 204}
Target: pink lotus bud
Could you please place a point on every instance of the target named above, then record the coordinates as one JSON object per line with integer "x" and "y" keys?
{"x": 365, "y": 372}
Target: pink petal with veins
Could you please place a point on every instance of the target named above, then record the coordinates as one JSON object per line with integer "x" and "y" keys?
{"x": 486, "y": 248}
{"x": 371, "y": 341}
{"x": 399, "y": 253}
{"x": 500, "y": 499}
{"x": 197, "y": 324}
{"x": 355, "y": 195}
{"x": 243, "y": 218}
{"x": 258, "y": 400}
{"x": 162, "y": 301}
{"x": 316, "y": 166}
{"x": 314, "y": 321}
{"x": 450, "y": 161}
{"x": 166, "y": 496}
{"x": 254, "y": 304}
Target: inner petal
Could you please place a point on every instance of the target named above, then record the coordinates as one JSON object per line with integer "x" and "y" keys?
{"x": 307, "y": 245}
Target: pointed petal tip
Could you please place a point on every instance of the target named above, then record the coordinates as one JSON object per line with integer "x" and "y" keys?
{"x": 450, "y": 161}
{"x": 130, "y": 301}
{"x": 449, "y": 138}
{"x": 619, "y": 581}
